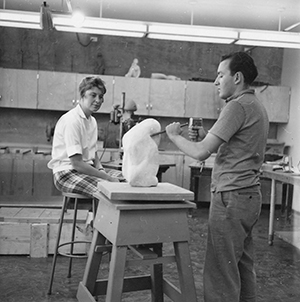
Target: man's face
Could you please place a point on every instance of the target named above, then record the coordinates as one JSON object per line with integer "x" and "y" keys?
{"x": 225, "y": 82}
{"x": 92, "y": 100}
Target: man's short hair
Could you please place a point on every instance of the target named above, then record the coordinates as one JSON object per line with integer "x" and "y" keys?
{"x": 90, "y": 82}
{"x": 241, "y": 61}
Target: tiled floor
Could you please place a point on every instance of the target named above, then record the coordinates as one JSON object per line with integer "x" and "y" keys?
{"x": 277, "y": 266}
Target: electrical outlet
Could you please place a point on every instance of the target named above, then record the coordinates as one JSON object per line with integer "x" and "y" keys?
{"x": 94, "y": 39}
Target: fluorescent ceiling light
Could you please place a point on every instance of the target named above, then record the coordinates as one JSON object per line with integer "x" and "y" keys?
{"x": 269, "y": 38}
{"x": 78, "y": 18}
{"x": 268, "y": 44}
{"x": 165, "y": 31}
{"x": 192, "y": 33}
{"x": 14, "y": 18}
{"x": 101, "y": 26}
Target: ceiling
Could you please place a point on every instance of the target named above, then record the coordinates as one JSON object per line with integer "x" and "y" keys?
{"x": 251, "y": 14}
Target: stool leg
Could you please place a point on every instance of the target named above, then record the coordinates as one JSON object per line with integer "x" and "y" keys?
{"x": 57, "y": 244}
{"x": 73, "y": 236}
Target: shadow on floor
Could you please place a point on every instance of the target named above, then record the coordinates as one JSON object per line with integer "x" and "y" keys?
{"x": 278, "y": 269}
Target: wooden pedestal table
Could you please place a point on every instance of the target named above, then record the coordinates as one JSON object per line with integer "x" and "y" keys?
{"x": 136, "y": 218}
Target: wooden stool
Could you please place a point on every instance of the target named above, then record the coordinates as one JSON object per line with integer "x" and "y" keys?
{"x": 142, "y": 219}
{"x": 66, "y": 201}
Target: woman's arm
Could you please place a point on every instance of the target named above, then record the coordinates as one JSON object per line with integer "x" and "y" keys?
{"x": 80, "y": 166}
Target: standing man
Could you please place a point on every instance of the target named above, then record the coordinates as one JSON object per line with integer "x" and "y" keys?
{"x": 239, "y": 138}
{"x": 75, "y": 164}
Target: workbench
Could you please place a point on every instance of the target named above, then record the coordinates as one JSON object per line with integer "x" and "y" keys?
{"x": 140, "y": 219}
{"x": 288, "y": 178}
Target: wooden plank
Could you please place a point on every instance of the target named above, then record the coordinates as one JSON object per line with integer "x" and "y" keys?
{"x": 80, "y": 235}
{"x": 39, "y": 240}
{"x": 29, "y": 213}
{"x": 14, "y": 238}
{"x": 50, "y": 216}
{"x": 162, "y": 192}
{"x": 53, "y": 202}
{"x": 8, "y": 212}
{"x": 143, "y": 252}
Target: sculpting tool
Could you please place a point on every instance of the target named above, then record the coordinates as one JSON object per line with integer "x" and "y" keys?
{"x": 164, "y": 131}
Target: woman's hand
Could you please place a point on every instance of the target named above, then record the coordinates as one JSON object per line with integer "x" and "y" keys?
{"x": 113, "y": 179}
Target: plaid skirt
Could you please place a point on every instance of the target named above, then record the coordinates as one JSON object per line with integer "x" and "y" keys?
{"x": 70, "y": 181}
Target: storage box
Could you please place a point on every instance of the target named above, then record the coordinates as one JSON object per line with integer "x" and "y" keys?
{"x": 33, "y": 231}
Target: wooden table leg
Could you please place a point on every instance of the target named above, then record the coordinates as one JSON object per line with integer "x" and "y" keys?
{"x": 116, "y": 274}
{"x": 86, "y": 289}
{"x": 289, "y": 203}
{"x": 185, "y": 272}
{"x": 272, "y": 213}
{"x": 157, "y": 292}
{"x": 283, "y": 200}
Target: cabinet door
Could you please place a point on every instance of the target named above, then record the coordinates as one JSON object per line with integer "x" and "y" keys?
{"x": 167, "y": 98}
{"x": 18, "y": 88}
{"x": 174, "y": 174}
{"x": 56, "y": 90}
{"x": 136, "y": 89}
{"x": 107, "y": 105}
{"x": 201, "y": 100}
{"x": 276, "y": 99}
{"x": 16, "y": 177}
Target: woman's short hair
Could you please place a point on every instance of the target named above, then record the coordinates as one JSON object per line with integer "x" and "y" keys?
{"x": 241, "y": 61}
{"x": 90, "y": 82}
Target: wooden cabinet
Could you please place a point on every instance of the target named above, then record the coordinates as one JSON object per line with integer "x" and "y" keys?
{"x": 201, "y": 100}
{"x": 18, "y": 88}
{"x": 276, "y": 99}
{"x": 52, "y": 90}
{"x": 153, "y": 97}
{"x": 174, "y": 174}
{"x": 135, "y": 89}
{"x": 56, "y": 90}
{"x": 26, "y": 178}
{"x": 166, "y": 98}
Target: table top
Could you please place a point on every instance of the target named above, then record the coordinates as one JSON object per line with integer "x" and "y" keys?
{"x": 285, "y": 177}
{"x": 162, "y": 192}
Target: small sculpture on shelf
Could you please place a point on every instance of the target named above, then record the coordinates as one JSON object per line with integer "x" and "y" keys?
{"x": 134, "y": 70}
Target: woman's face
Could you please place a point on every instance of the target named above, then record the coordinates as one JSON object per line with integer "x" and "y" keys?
{"x": 92, "y": 101}
{"x": 225, "y": 82}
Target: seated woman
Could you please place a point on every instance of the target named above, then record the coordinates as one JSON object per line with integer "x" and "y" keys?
{"x": 75, "y": 164}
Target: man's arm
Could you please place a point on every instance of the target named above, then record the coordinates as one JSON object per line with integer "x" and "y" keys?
{"x": 80, "y": 166}
{"x": 198, "y": 150}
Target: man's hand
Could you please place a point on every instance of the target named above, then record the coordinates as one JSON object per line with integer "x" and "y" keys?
{"x": 193, "y": 134}
{"x": 173, "y": 129}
